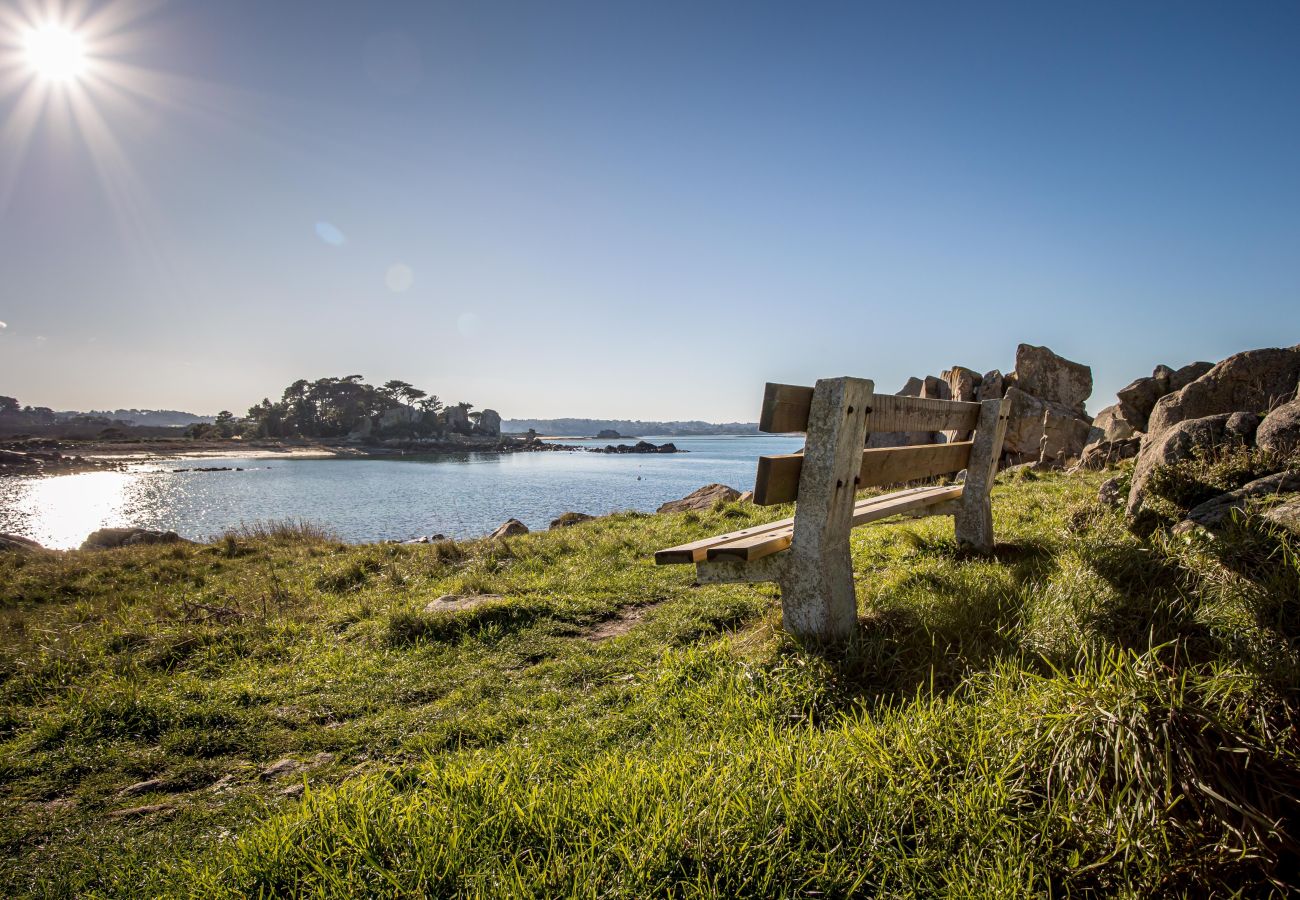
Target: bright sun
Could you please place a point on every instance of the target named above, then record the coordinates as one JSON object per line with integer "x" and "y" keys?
{"x": 55, "y": 53}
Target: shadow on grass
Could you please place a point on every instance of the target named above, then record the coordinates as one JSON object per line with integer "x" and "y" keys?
{"x": 972, "y": 625}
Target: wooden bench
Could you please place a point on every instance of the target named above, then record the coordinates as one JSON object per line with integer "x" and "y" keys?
{"x": 808, "y": 555}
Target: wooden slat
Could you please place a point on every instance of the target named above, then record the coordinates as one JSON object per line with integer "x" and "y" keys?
{"x": 898, "y": 464}
{"x": 785, "y": 409}
{"x": 892, "y": 413}
{"x": 694, "y": 551}
{"x": 778, "y": 476}
{"x": 752, "y": 547}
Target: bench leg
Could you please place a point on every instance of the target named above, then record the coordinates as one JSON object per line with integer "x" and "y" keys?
{"x": 973, "y": 520}
{"x": 817, "y": 596}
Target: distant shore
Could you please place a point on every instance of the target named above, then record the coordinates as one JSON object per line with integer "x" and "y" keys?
{"x": 49, "y": 456}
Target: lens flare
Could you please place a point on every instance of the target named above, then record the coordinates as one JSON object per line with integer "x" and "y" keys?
{"x": 55, "y": 53}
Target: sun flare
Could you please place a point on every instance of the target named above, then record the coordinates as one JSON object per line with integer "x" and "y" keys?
{"x": 55, "y": 53}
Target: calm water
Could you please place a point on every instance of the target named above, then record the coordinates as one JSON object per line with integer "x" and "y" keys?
{"x": 376, "y": 499}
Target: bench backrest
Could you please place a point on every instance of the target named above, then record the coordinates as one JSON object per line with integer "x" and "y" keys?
{"x": 786, "y": 409}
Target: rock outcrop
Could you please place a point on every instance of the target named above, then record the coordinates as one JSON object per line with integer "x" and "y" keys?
{"x": 18, "y": 544}
{"x": 1053, "y": 378}
{"x": 991, "y": 387}
{"x": 1039, "y": 430}
{"x": 1047, "y": 423}
{"x": 1100, "y": 454}
{"x": 1213, "y": 513}
{"x": 1280, "y": 430}
{"x": 638, "y": 447}
{"x": 456, "y": 420}
{"x": 963, "y": 383}
{"x": 564, "y": 520}
{"x": 509, "y": 528}
{"x": 109, "y": 538}
{"x": 1220, "y": 405}
{"x": 702, "y": 499}
{"x": 489, "y": 423}
{"x": 1286, "y": 515}
{"x": 1254, "y": 381}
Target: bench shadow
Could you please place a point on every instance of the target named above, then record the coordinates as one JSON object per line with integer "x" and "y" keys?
{"x": 896, "y": 650}
{"x": 1158, "y": 602}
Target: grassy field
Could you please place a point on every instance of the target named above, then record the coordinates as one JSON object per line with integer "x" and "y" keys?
{"x": 278, "y": 714}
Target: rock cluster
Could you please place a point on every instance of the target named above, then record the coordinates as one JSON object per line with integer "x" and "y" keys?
{"x": 1118, "y": 429}
{"x": 564, "y": 520}
{"x": 18, "y": 544}
{"x": 638, "y": 447}
{"x": 1048, "y": 421}
{"x": 108, "y": 538}
{"x": 1248, "y": 399}
{"x": 48, "y": 462}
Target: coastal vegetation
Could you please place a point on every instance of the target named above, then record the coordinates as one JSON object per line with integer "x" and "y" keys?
{"x": 1090, "y": 711}
{"x": 334, "y": 407}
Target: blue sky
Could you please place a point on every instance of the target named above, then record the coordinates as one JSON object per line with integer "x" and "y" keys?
{"x": 642, "y": 210}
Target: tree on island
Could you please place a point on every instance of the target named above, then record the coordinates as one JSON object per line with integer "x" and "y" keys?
{"x": 336, "y": 407}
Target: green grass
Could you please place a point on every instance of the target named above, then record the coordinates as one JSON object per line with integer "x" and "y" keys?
{"x": 1085, "y": 713}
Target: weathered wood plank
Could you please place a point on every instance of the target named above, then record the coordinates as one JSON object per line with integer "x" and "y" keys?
{"x": 749, "y": 548}
{"x": 899, "y": 464}
{"x": 778, "y": 476}
{"x": 785, "y": 409}
{"x": 694, "y": 551}
{"x": 893, "y": 413}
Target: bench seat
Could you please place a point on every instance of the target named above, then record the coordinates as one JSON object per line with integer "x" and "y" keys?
{"x": 749, "y": 544}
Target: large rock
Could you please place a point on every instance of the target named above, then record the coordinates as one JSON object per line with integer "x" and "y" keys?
{"x": 1213, "y": 513}
{"x": 1187, "y": 374}
{"x": 1174, "y": 444}
{"x": 1248, "y": 382}
{"x": 361, "y": 429}
{"x": 1053, "y": 378}
{"x": 456, "y": 420}
{"x": 1030, "y": 419}
{"x": 1064, "y": 436}
{"x": 992, "y": 386}
{"x": 912, "y": 388}
{"x": 510, "y": 528}
{"x": 564, "y": 520}
{"x": 1253, "y": 381}
{"x": 489, "y": 423}
{"x": 108, "y": 538}
{"x": 398, "y": 415}
{"x": 1287, "y": 515}
{"x": 1280, "y": 430}
{"x": 18, "y": 544}
{"x": 935, "y": 388}
{"x": 1100, "y": 454}
{"x": 963, "y": 383}
{"x": 1242, "y": 427}
{"x": 1114, "y": 425}
{"x": 1138, "y": 398}
{"x": 702, "y": 499}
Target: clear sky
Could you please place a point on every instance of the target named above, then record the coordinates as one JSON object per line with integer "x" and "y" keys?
{"x": 618, "y": 209}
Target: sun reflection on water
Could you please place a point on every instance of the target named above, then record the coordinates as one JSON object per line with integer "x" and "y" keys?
{"x": 60, "y": 512}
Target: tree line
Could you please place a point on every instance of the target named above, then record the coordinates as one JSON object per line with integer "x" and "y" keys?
{"x": 336, "y": 407}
